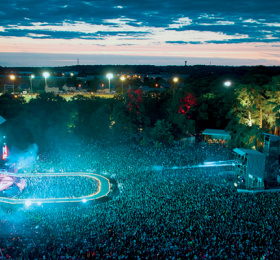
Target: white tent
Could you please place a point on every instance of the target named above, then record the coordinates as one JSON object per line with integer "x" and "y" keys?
{"x": 217, "y": 134}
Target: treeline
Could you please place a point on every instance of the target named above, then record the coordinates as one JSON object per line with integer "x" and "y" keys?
{"x": 249, "y": 107}
{"x": 195, "y": 70}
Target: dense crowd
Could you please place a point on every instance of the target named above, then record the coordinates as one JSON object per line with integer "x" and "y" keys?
{"x": 159, "y": 212}
{"x": 42, "y": 187}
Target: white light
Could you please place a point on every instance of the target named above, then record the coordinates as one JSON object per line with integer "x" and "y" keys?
{"x": 32, "y": 76}
{"x": 46, "y": 74}
{"x": 39, "y": 203}
{"x": 28, "y": 203}
{"x": 109, "y": 75}
{"x": 235, "y": 184}
{"x": 227, "y": 83}
{"x": 84, "y": 200}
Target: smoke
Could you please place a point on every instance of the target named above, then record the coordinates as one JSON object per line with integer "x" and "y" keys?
{"x": 23, "y": 159}
{"x": 205, "y": 164}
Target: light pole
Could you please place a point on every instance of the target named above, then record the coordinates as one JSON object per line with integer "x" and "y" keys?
{"x": 175, "y": 80}
{"x": 13, "y": 77}
{"x": 31, "y": 90}
{"x": 109, "y": 76}
{"x": 46, "y": 75}
{"x": 122, "y": 79}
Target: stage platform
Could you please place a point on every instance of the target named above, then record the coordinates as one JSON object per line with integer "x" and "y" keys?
{"x": 103, "y": 190}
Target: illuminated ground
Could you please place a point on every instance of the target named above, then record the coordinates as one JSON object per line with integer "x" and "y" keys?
{"x": 103, "y": 190}
{"x": 68, "y": 97}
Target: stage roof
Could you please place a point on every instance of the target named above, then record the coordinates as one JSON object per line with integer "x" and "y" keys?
{"x": 243, "y": 151}
{"x": 220, "y": 134}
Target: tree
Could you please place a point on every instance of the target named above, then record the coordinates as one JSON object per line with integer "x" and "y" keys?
{"x": 50, "y": 112}
{"x": 10, "y": 105}
{"x": 245, "y": 109}
{"x": 99, "y": 122}
{"x": 181, "y": 112}
{"x": 244, "y": 136}
{"x": 94, "y": 84}
{"x": 82, "y": 109}
{"x": 162, "y": 132}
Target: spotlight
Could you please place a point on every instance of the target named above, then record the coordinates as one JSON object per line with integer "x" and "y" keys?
{"x": 39, "y": 203}
{"x": 235, "y": 184}
{"x": 28, "y": 203}
{"x": 84, "y": 200}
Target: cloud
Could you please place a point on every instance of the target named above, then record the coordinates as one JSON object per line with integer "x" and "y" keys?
{"x": 183, "y": 42}
{"x": 144, "y": 23}
{"x": 49, "y": 34}
{"x": 150, "y": 13}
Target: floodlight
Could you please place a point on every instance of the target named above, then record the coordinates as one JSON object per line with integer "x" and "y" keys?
{"x": 227, "y": 83}
{"x": 109, "y": 75}
{"x": 28, "y": 203}
{"x": 46, "y": 74}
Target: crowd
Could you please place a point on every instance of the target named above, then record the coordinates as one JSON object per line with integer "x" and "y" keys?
{"x": 159, "y": 212}
{"x": 42, "y": 187}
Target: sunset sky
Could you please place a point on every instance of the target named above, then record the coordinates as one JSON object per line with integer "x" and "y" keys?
{"x": 170, "y": 32}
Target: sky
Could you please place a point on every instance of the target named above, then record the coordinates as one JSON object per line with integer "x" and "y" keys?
{"x": 157, "y": 32}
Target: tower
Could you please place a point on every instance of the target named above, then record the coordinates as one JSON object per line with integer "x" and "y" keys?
{"x": 271, "y": 150}
{"x": 186, "y": 63}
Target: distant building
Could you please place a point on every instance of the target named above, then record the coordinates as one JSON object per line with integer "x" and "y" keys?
{"x": 146, "y": 89}
{"x": 24, "y": 86}
{"x": 69, "y": 73}
{"x": 69, "y": 88}
{"x": 49, "y": 90}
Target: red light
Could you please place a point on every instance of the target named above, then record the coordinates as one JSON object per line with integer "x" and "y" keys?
{"x": 4, "y": 152}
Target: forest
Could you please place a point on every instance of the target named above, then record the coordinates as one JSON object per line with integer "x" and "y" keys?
{"x": 247, "y": 108}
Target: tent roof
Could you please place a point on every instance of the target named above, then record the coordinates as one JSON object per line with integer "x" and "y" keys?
{"x": 2, "y": 120}
{"x": 216, "y": 132}
{"x": 243, "y": 151}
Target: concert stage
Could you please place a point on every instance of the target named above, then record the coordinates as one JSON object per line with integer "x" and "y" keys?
{"x": 103, "y": 188}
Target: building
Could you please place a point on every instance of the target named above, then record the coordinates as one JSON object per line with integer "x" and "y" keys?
{"x": 54, "y": 89}
{"x": 250, "y": 168}
{"x": 67, "y": 88}
{"x": 271, "y": 150}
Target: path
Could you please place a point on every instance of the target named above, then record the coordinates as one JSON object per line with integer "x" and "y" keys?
{"x": 104, "y": 189}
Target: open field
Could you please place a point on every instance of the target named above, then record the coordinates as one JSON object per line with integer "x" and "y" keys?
{"x": 68, "y": 97}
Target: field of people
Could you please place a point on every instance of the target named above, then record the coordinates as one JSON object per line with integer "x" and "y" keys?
{"x": 162, "y": 210}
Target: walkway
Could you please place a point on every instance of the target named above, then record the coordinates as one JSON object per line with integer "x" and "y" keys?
{"x": 104, "y": 189}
